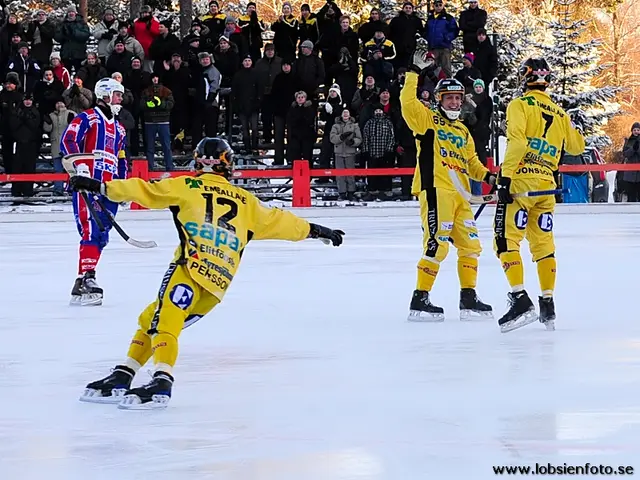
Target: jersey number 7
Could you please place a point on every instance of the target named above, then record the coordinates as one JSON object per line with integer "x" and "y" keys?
{"x": 548, "y": 120}
{"x": 223, "y": 220}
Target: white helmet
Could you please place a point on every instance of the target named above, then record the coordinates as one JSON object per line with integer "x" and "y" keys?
{"x": 105, "y": 89}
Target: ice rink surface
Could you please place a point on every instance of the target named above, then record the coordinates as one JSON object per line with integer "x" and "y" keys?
{"x": 309, "y": 369}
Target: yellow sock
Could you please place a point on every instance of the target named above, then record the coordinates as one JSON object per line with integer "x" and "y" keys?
{"x": 140, "y": 348}
{"x": 165, "y": 350}
{"x": 547, "y": 275}
{"x": 427, "y": 272}
{"x": 513, "y": 269}
{"x": 468, "y": 271}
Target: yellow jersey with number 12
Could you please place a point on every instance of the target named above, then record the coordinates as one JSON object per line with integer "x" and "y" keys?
{"x": 537, "y": 131}
{"x": 215, "y": 221}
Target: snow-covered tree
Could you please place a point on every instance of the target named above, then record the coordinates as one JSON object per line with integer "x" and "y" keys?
{"x": 574, "y": 63}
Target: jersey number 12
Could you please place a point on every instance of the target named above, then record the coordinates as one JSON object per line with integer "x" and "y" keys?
{"x": 223, "y": 220}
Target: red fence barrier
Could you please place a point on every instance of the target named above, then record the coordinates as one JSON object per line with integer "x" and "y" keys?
{"x": 301, "y": 175}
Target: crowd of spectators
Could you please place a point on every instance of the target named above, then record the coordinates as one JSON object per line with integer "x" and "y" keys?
{"x": 317, "y": 81}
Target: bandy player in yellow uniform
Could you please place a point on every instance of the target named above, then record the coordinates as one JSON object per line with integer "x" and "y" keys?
{"x": 443, "y": 144}
{"x": 537, "y": 131}
{"x": 215, "y": 221}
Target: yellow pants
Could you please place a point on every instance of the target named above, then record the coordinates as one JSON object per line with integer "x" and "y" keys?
{"x": 447, "y": 219}
{"x": 181, "y": 302}
{"x": 530, "y": 218}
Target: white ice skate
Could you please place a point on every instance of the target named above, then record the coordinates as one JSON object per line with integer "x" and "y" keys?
{"x": 92, "y": 395}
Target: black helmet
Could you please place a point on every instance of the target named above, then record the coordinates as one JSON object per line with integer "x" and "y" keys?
{"x": 213, "y": 155}
{"x": 535, "y": 73}
{"x": 448, "y": 85}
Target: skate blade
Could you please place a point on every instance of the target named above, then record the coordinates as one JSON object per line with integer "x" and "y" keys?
{"x": 76, "y": 300}
{"x": 470, "y": 315}
{"x": 522, "y": 321}
{"x": 91, "y": 300}
{"x": 95, "y": 396}
{"x": 419, "y": 316}
{"x": 550, "y": 325}
{"x": 133, "y": 402}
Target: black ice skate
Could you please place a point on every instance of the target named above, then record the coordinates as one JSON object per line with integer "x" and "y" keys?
{"x": 472, "y": 307}
{"x": 521, "y": 312}
{"x": 422, "y": 310}
{"x": 110, "y": 389}
{"x": 154, "y": 395}
{"x": 92, "y": 294}
{"x": 547, "y": 313}
{"x": 76, "y": 292}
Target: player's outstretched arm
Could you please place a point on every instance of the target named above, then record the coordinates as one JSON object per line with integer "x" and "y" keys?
{"x": 157, "y": 195}
{"x": 414, "y": 112}
{"x": 574, "y": 144}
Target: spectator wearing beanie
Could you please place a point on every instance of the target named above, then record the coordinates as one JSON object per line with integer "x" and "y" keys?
{"x": 481, "y": 131}
{"x": 120, "y": 59}
{"x": 130, "y": 44}
{"x": 468, "y": 73}
{"x": 26, "y": 67}
{"x": 374, "y": 24}
{"x": 136, "y": 80}
{"x": 345, "y": 73}
{"x": 202, "y": 31}
{"x": 77, "y": 97}
{"x": 227, "y": 60}
{"x": 47, "y": 92}
{"x": 328, "y": 113}
{"x": 346, "y": 137}
{"x": 252, "y": 28}
{"x": 486, "y": 59}
{"x": 234, "y": 33}
{"x": 631, "y": 153}
{"x": 266, "y": 69}
{"x": 104, "y": 32}
{"x": 441, "y": 31}
{"x": 379, "y": 68}
{"x": 308, "y": 25}
{"x": 59, "y": 70}
{"x": 365, "y": 95}
{"x": 163, "y": 46}
{"x": 11, "y": 50}
{"x": 286, "y": 32}
{"x": 309, "y": 70}
{"x": 175, "y": 78}
{"x": 215, "y": 21}
{"x": 24, "y": 126}
{"x": 11, "y": 34}
{"x": 10, "y": 98}
{"x": 378, "y": 150}
{"x": 301, "y": 128}
{"x": 91, "y": 71}
{"x": 73, "y": 34}
{"x": 402, "y": 32}
{"x": 283, "y": 94}
{"x": 156, "y": 104}
{"x": 247, "y": 97}
{"x": 471, "y": 20}
{"x": 145, "y": 29}
{"x": 40, "y": 33}
{"x": 206, "y": 78}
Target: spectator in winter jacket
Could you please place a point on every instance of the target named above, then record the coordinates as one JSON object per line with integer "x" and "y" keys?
{"x": 73, "y": 34}
{"x": 24, "y": 125}
{"x": 301, "y": 129}
{"x": 120, "y": 59}
{"x": 368, "y": 93}
{"x": 378, "y": 44}
{"x": 215, "y": 21}
{"x": 91, "y": 71}
{"x": 328, "y": 113}
{"x": 175, "y": 76}
{"x": 136, "y": 80}
{"x": 379, "y": 68}
{"x": 346, "y": 137}
{"x": 59, "y": 70}
{"x": 345, "y": 73}
{"x": 206, "y": 78}
{"x": 11, "y": 34}
{"x": 402, "y": 32}
{"x": 105, "y": 31}
{"x": 227, "y": 60}
{"x": 486, "y": 57}
{"x": 441, "y": 31}
{"x": 130, "y": 44}
{"x": 328, "y": 18}
{"x": 201, "y": 30}
{"x": 267, "y": 68}
{"x": 286, "y": 32}
{"x": 368, "y": 29}
{"x": 336, "y": 36}
{"x": 391, "y": 110}
{"x": 235, "y": 35}
{"x": 144, "y": 30}
{"x": 468, "y": 73}
{"x": 55, "y": 123}
{"x": 283, "y": 94}
{"x": 11, "y": 50}
{"x": 10, "y": 100}
{"x": 40, "y": 33}
{"x": 163, "y": 46}
{"x": 378, "y": 147}
{"x": 432, "y": 73}
{"x": 472, "y": 19}
{"x": 481, "y": 131}
{"x": 246, "y": 103}
{"x": 307, "y": 25}
{"x": 77, "y": 98}
{"x": 396, "y": 85}
{"x": 309, "y": 70}
{"x": 631, "y": 153}
{"x": 252, "y": 28}
{"x": 26, "y": 67}
{"x": 47, "y": 92}
{"x": 156, "y": 104}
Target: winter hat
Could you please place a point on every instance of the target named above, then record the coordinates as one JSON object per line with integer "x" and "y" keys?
{"x": 401, "y": 71}
{"x": 269, "y": 46}
{"x": 248, "y": 55}
{"x": 176, "y": 54}
{"x": 230, "y": 19}
{"x": 223, "y": 37}
{"x": 13, "y": 78}
{"x": 23, "y": 45}
{"x": 384, "y": 88}
{"x": 119, "y": 41}
{"x": 167, "y": 23}
{"x": 307, "y": 44}
{"x": 635, "y": 125}
{"x": 287, "y": 3}
{"x": 189, "y": 39}
{"x": 478, "y": 81}
{"x": 335, "y": 88}
{"x": 55, "y": 55}
{"x": 72, "y": 9}
{"x": 482, "y": 31}
{"x": 28, "y": 96}
{"x": 214, "y": 2}
{"x": 135, "y": 57}
{"x": 195, "y": 22}
{"x": 305, "y": 6}
{"x": 251, "y": 4}
{"x": 469, "y": 56}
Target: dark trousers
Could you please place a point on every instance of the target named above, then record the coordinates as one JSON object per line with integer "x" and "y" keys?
{"x": 299, "y": 149}
{"x": 249, "y": 130}
{"x": 162, "y": 131}
{"x": 407, "y": 160}
{"x": 204, "y": 118}
{"x": 633, "y": 191}
{"x": 266, "y": 114}
{"x": 326, "y": 150}
{"x": 279, "y": 124}
{"x": 134, "y": 135}
{"x": 378, "y": 183}
{"x": 24, "y": 162}
{"x": 8, "y": 155}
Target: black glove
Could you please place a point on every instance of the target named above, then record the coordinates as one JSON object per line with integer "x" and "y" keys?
{"x": 108, "y": 35}
{"x": 344, "y": 135}
{"x": 350, "y": 142}
{"x": 88, "y": 184}
{"x": 504, "y": 195}
{"x": 75, "y": 89}
{"x": 490, "y": 178}
{"x": 636, "y": 145}
{"x": 326, "y": 234}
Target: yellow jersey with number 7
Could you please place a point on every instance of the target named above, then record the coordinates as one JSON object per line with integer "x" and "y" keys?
{"x": 537, "y": 132}
{"x": 215, "y": 221}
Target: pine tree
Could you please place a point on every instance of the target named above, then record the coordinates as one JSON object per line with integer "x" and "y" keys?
{"x": 574, "y": 64}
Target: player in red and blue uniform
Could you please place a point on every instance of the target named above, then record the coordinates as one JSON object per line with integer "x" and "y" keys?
{"x": 97, "y": 133}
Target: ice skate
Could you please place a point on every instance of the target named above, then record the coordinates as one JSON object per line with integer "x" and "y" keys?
{"x": 76, "y": 292}
{"x": 521, "y": 312}
{"x": 547, "y": 313}
{"x": 422, "y": 310}
{"x": 92, "y": 293}
{"x": 110, "y": 389}
{"x": 471, "y": 307}
{"x": 154, "y": 395}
